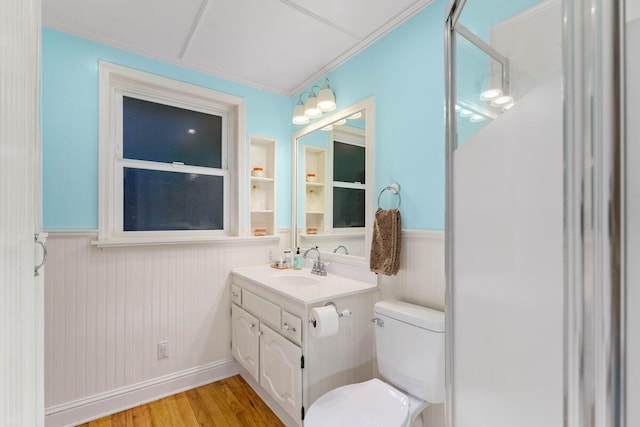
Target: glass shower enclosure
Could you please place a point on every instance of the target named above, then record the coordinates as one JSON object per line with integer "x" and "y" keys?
{"x": 540, "y": 203}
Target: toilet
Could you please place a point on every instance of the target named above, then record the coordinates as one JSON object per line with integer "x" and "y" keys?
{"x": 410, "y": 352}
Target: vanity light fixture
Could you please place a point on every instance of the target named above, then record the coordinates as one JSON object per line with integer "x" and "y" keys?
{"x": 326, "y": 98}
{"x": 466, "y": 113}
{"x": 299, "y": 118}
{"x": 355, "y": 116}
{"x": 319, "y": 100}
{"x": 327, "y": 128}
{"x": 340, "y": 122}
{"x": 477, "y": 118}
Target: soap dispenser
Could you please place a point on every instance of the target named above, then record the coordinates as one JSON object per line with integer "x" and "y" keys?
{"x": 297, "y": 260}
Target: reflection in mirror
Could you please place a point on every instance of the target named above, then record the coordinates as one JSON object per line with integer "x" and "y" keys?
{"x": 332, "y": 196}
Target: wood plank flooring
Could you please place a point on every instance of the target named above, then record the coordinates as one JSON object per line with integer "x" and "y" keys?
{"x": 229, "y": 403}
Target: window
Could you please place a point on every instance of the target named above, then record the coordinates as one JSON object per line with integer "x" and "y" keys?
{"x": 348, "y": 180}
{"x": 168, "y": 158}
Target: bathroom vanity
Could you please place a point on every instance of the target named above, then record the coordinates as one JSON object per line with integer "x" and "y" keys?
{"x": 273, "y": 343}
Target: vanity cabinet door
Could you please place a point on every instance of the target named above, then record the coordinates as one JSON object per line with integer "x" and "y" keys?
{"x": 245, "y": 339}
{"x": 281, "y": 371}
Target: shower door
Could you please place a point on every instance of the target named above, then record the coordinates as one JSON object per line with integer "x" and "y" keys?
{"x": 543, "y": 213}
{"x": 505, "y": 218}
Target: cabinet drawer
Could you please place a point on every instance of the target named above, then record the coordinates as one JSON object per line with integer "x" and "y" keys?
{"x": 291, "y": 327}
{"x": 262, "y": 308}
{"x": 236, "y": 294}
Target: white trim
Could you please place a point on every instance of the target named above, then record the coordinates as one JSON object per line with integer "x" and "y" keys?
{"x": 102, "y": 404}
{"x": 116, "y": 80}
{"x": 436, "y": 235}
{"x": 195, "y": 240}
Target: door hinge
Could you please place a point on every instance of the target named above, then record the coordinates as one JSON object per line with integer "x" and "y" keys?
{"x": 303, "y": 413}
{"x": 301, "y": 362}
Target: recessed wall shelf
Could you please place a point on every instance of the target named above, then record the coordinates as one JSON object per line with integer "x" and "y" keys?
{"x": 262, "y": 191}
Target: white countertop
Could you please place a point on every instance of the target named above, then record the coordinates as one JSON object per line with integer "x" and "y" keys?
{"x": 301, "y": 285}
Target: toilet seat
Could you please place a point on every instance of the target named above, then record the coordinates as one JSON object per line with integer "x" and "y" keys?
{"x": 371, "y": 403}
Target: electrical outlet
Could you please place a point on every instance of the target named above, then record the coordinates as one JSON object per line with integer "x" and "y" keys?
{"x": 269, "y": 254}
{"x": 163, "y": 350}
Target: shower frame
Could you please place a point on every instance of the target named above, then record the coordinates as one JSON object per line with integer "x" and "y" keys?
{"x": 594, "y": 224}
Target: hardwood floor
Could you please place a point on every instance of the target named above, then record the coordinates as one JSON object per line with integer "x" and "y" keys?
{"x": 229, "y": 402}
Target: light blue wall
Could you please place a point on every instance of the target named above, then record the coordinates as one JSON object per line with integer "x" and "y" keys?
{"x": 70, "y": 125}
{"x": 405, "y": 72}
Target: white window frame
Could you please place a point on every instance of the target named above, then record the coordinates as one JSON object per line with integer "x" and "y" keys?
{"x": 353, "y": 136}
{"x": 118, "y": 81}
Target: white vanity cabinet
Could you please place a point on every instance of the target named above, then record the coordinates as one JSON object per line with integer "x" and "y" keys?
{"x": 272, "y": 360}
{"x": 279, "y": 357}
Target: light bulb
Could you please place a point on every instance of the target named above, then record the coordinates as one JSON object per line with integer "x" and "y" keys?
{"x": 340, "y": 122}
{"x": 466, "y": 113}
{"x": 502, "y": 100}
{"x": 508, "y": 106}
{"x": 311, "y": 109}
{"x": 298, "y": 114}
{"x": 355, "y": 116}
{"x": 477, "y": 118}
{"x": 327, "y": 128}
{"x": 326, "y": 99}
{"x": 490, "y": 94}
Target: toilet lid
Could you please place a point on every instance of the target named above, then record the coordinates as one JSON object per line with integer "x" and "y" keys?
{"x": 369, "y": 404}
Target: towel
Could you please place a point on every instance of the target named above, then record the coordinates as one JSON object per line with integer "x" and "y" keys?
{"x": 385, "y": 244}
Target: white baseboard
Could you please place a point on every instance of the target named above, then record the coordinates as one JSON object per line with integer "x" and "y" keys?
{"x": 100, "y": 405}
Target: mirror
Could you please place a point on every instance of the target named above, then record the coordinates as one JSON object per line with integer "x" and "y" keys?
{"x": 333, "y": 184}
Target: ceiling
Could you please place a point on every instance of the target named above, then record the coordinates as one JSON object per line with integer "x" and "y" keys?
{"x": 276, "y": 45}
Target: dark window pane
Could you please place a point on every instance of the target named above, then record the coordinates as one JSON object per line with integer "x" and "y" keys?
{"x": 158, "y": 200}
{"x": 161, "y": 133}
{"x": 348, "y": 207}
{"x": 348, "y": 162}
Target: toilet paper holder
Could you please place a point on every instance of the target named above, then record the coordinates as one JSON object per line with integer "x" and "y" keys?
{"x": 343, "y": 313}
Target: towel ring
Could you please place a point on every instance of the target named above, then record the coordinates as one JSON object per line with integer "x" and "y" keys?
{"x": 395, "y": 189}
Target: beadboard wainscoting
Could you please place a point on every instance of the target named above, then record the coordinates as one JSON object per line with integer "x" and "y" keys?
{"x": 107, "y": 309}
{"x": 421, "y": 281}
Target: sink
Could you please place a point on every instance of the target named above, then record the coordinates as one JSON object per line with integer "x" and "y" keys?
{"x": 297, "y": 279}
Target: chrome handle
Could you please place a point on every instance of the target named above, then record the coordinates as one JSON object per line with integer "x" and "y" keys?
{"x": 260, "y": 333}
{"x": 234, "y": 294}
{"x": 251, "y": 326}
{"x": 44, "y": 255}
{"x": 378, "y": 322}
{"x": 286, "y": 327}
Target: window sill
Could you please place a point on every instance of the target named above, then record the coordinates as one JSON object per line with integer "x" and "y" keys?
{"x": 148, "y": 241}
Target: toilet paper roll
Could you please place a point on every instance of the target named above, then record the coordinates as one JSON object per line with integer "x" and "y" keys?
{"x": 326, "y": 321}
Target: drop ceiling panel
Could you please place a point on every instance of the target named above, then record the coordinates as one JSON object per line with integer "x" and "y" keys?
{"x": 159, "y": 26}
{"x": 264, "y": 41}
{"x": 361, "y": 17}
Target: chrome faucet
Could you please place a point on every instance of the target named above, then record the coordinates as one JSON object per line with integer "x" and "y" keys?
{"x": 318, "y": 265}
{"x": 346, "y": 251}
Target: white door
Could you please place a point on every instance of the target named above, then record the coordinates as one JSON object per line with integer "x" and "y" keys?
{"x": 244, "y": 339}
{"x": 281, "y": 371}
{"x": 21, "y": 308}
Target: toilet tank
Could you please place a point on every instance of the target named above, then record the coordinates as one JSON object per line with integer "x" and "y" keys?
{"x": 410, "y": 348}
